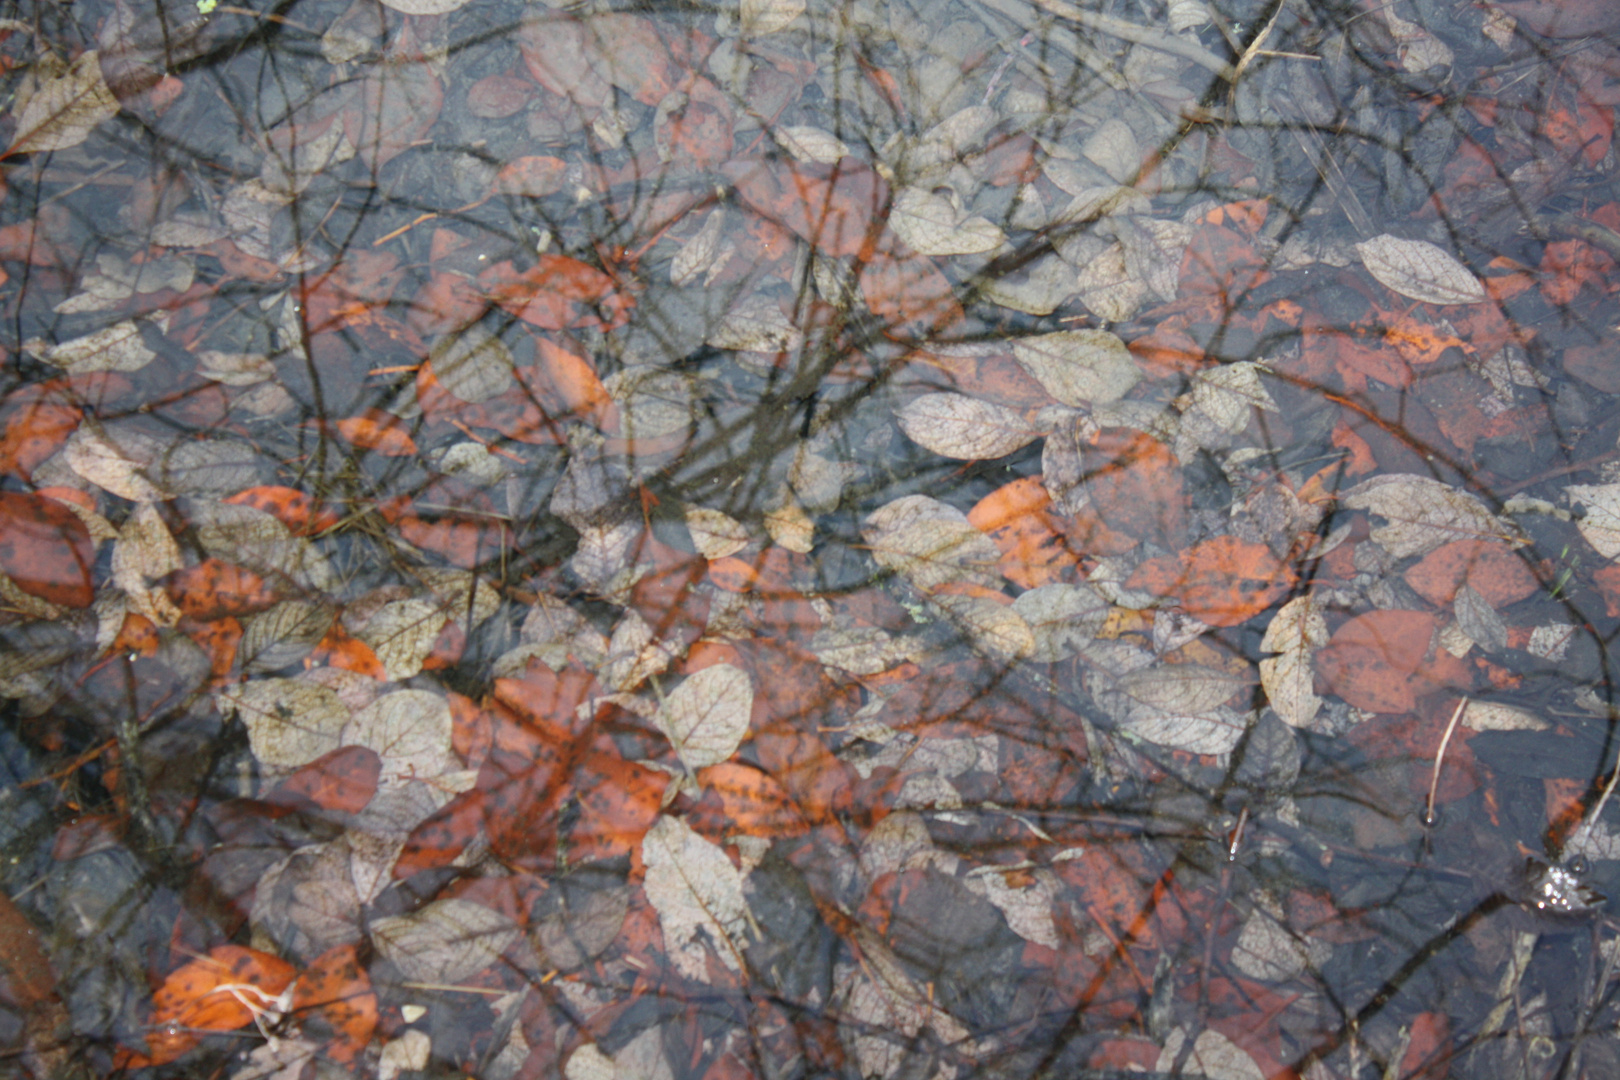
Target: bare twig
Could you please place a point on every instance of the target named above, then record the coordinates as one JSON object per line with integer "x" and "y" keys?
{"x": 1434, "y": 780}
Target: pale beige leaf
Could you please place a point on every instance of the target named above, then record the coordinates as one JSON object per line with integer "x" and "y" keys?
{"x": 706, "y": 717}
{"x": 589, "y": 1063}
{"x": 402, "y": 635}
{"x": 966, "y": 428}
{"x": 811, "y": 144}
{"x": 1600, "y": 525}
{"x": 1187, "y": 15}
{"x": 698, "y": 254}
{"x": 1422, "y": 513}
{"x": 145, "y": 551}
{"x": 632, "y": 654}
{"x": 694, "y": 887}
{"x": 209, "y": 467}
{"x": 996, "y": 629}
{"x": 444, "y": 941}
{"x": 255, "y": 540}
{"x": 768, "y": 16}
{"x": 931, "y": 225}
{"x": 119, "y": 347}
{"x": 282, "y": 635}
{"x": 1037, "y": 289}
{"x": 1213, "y": 1056}
{"x": 1108, "y": 288}
{"x": 715, "y": 534}
{"x": 1028, "y": 909}
{"x": 1180, "y": 706}
{"x": 1079, "y": 367}
{"x": 289, "y": 722}
{"x": 1267, "y": 950}
{"x": 410, "y": 730}
{"x": 425, "y": 7}
{"x": 1112, "y": 148}
{"x": 474, "y": 364}
{"x": 791, "y": 527}
{"x": 930, "y": 543}
{"x": 1063, "y": 619}
{"x": 235, "y": 369}
{"x": 1229, "y": 393}
{"x": 756, "y": 324}
{"x": 1153, "y": 250}
{"x": 116, "y": 459}
{"x": 462, "y": 595}
{"x": 1499, "y": 716}
{"x": 64, "y": 111}
{"x": 1419, "y": 270}
{"x": 1294, "y": 633}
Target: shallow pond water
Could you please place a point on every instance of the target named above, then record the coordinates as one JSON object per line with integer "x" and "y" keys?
{"x": 913, "y": 540}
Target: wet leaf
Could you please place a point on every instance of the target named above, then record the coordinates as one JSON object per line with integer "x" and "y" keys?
{"x": 290, "y": 722}
{"x": 445, "y": 941}
{"x": 46, "y": 550}
{"x": 119, "y": 347}
{"x": 410, "y": 730}
{"x": 693, "y": 887}
{"x": 1419, "y": 270}
{"x": 930, "y": 543}
{"x": 706, "y": 717}
{"x": 222, "y": 991}
{"x": 994, "y": 626}
{"x": 768, "y": 16}
{"x": 1079, "y": 367}
{"x": 958, "y": 426}
{"x": 64, "y": 110}
{"x": 118, "y": 460}
{"x": 1422, "y": 513}
{"x": 473, "y": 365}
{"x": 1600, "y": 525}
{"x": 1181, "y": 706}
{"x": 1294, "y": 633}
{"x": 932, "y": 226}
{"x": 1213, "y": 1056}
{"x": 807, "y": 143}
{"x": 715, "y": 534}
{"x": 145, "y": 551}
{"x": 1222, "y": 581}
{"x": 402, "y": 634}
{"x": 333, "y": 994}
{"x": 1063, "y": 619}
{"x": 342, "y": 781}
{"x": 1384, "y": 661}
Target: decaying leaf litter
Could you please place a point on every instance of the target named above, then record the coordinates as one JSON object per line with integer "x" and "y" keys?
{"x": 890, "y": 540}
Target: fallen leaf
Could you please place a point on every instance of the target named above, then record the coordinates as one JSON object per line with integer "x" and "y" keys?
{"x": 1419, "y": 270}
{"x": 46, "y": 550}
{"x": 1079, "y": 367}
{"x": 930, "y": 543}
{"x": 64, "y": 110}
{"x": 693, "y": 886}
{"x": 1295, "y": 633}
{"x": 1384, "y": 661}
{"x": 930, "y": 225}
{"x": 290, "y": 722}
{"x": 1600, "y": 525}
{"x": 445, "y": 941}
{"x": 706, "y": 716}
{"x": 222, "y": 991}
{"x": 966, "y": 428}
{"x": 1422, "y": 514}
{"x": 1222, "y": 581}
{"x": 759, "y": 17}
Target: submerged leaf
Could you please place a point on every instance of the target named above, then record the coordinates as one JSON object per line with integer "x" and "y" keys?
{"x": 706, "y": 717}
{"x": 966, "y": 428}
{"x": 693, "y": 886}
{"x": 1419, "y": 270}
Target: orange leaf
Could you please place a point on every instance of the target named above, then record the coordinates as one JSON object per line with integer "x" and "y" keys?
{"x": 293, "y": 508}
{"x": 568, "y": 387}
{"x": 746, "y": 800}
{"x": 1222, "y": 581}
{"x": 910, "y": 294}
{"x": 619, "y": 800}
{"x": 343, "y": 780}
{"x": 1489, "y": 566}
{"x": 837, "y": 209}
{"x": 35, "y": 430}
{"x": 45, "y": 549}
{"x": 1034, "y": 551}
{"x": 378, "y": 431}
{"x": 558, "y": 292}
{"x": 334, "y": 1003}
{"x": 1384, "y": 661}
{"x": 1137, "y": 487}
{"x": 215, "y": 590}
{"x": 460, "y": 541}
{"x": 340, "y": 650}
{"x": 534, "y": 177}
{"x": 222, "y": 991}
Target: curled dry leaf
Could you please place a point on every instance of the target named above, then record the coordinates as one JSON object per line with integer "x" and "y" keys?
{"x": 445, "y": 941}
{"x": 1422, "y": 513}
{"x": 706, "y": 717}
{"x": 1419, "y": 270}
{"x": 1295, "y": 633}
{"x": 64, "y": 111}
{"x": 966, "y": 428}
{"x": 1079, "y": 367}
{"x": 693, "y": 886}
